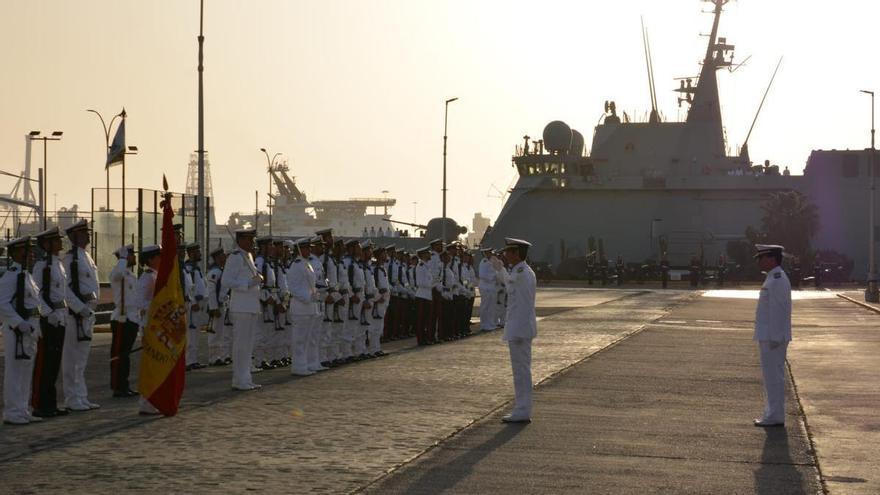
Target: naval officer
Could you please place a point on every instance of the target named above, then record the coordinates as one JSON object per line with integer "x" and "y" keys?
{"x": 243, "y": 281}
{"x": 773, "y": 332}
{"x": 520, "y": 328}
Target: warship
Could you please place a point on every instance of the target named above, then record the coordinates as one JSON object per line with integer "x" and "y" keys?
{"x": 675, "y": 183}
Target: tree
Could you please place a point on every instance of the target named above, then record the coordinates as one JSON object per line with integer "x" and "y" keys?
{"x": 789, "y": 219}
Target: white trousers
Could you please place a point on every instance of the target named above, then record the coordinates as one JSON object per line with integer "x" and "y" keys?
{"x": 377, "y": 326}
{"x": 74, "y": 359}
{"x": 773, "y": 369}
{"x": 302, "y": 330}
{"x": 199, "y": 319}
{"x": 488, "y": 302}
{"x": 351, "y": 329}
{"x": 313, "y": 346}
{"x": 18, "y": 374}
{"x": 521, "y": 364}
{"x": 220, "y": 341}
{"x": 243, "y": 327}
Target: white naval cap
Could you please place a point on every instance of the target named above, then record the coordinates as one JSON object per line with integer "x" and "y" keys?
{"x": 436, "y": 241}
{"x": 510, "y": 242}
{"x": 128, "y": 248}
{"x": 25, "y": 241}
{"x": 217, "y": 251}
{"x": 81, "y": 225}
{"x": 762, "y": 249}
{"x": 49, "y": 233}
{"x": 245, "y": 233}
{"x": 423, "y": 250}
{"x": 303, "y": 241}
{"x": 150, "y": 249}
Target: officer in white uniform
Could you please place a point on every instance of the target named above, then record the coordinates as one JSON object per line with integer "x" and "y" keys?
{"x": 773, "y": 332}
{"x": 268, "y": 292}
{"x": 302, "y": 311}
{"x": 488, "y": 291}
{"x": 198, "y": 315}
{"x": 20, "y": 309}
{"x": 82, "y": 299}
{"x": 356, "y": 301}
{"x": 521, "y": 327}
{"x": 124, "y": 321}
{"x": 242, "y": 280}
{"x": 314, "y": 347}
{"x": 380, "y": 304}
{"x": 220, "y": 336}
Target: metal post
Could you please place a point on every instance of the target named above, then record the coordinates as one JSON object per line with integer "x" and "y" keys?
{"x": 123, "y": 195}
{"x": 871, "y": 293}
{"x": 45, "y": 189}
{"x": 40, "y": 180}
{"x": 201, "y": 213}
{"x": 445, "y": 121}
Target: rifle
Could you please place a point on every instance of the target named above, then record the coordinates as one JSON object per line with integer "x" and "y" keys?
{"x": 81, "y": 335}
{"x": 20, "y": 354}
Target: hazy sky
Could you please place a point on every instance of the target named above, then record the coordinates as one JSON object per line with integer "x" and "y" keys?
{"x": 352, "y": 91}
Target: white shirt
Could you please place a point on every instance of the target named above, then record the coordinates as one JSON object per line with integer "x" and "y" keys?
{"x": 773, "y": 315}
{"x": 217, "y": 297}
{"x": 88, "y": 280}
{"x": 237, "y": 276}
{"x": 423, "y": 281}
{"x": 145, "y": 286}
{"x": 121, "y": 277}
{"x": 487, "y": 275}
{"x": 303, "y": 292}
{"x": 57, "y": 281}
{"x": 32, "y": 299}
{"x": 521, "y": 321}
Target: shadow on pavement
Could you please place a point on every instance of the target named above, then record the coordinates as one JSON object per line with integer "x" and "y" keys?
{"x": 777, "y": 473}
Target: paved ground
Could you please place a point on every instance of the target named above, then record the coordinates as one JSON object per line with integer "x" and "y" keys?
{"x": 643, "y": 392}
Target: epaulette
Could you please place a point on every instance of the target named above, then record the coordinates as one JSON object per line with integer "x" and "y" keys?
{"x": 297, "y": 260}
{"x": 777, "y": 275}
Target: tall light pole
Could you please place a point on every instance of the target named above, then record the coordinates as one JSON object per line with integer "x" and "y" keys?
{"x": 445, "y": 121}
{"x": 130, "y": 150}
{"x": 270, "y": 164}
{"x": 201, "y": 214}
{"x": 107, "y": 129}
{"x": 871, "y": 293}
{"x": 35, "y": 136}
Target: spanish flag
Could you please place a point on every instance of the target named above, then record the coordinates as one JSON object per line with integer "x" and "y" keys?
{"x": 164, "y": 341}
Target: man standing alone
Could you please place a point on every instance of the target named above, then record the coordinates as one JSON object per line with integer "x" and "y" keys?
{"x": 521, "y": 327}
{"x": 773, "y": 332}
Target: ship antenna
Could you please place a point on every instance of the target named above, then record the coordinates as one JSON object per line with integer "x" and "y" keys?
{"x": 744, "y": 152}
{"x": 649, "y": 65}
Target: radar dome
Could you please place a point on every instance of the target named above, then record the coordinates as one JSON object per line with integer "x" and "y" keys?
{"x": 557, "y": 137}
{"x": 577, "y": 144}
{"x": 434, "y": 229}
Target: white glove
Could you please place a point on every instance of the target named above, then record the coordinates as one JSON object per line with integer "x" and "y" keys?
{"x": 123, "y": 252}
{"x": 254, "y": 281}
{"x": 85, "y": 312}
{"x": 25, "y": 327}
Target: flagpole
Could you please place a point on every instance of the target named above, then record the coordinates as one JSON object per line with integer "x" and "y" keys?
{"x": 124, "y": 150}
{"x": 201, "y": 214}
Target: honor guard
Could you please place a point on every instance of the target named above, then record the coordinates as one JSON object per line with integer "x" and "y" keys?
{"x": 198, "y": 314}
{"x": 124, "y": 321}
{"x": 392, "y": 321}
{"x": 149, "y": 260}
{"x": 51, "y": 280}
{"x": 280, "y": 352}
{"x": 412, "y": 261}
{"x": 219, "y": 325}
{"x": 355, "y": 272}
{"x": 436, "y": 266}
{"x": 20, "y": 310}
{"x": 448, "y": 287}
{"x": 341, "y": 306}
{"x": 521, "y": 327}
{"x": 424, "y": 286}
{"x": 469, "y": 284}
{"x": 243, "y": 281}
{"x": 268, "y": 293}
{"x": 370, "y": 296}
{"x": 325, "y": 282}
{"x": 458, "y": 294}
{"x": 303, "y": 307}
{"x": 380, "y": 303}
{"x": 82, "y": 300}
{"x": 319, "y": 325}
{"x": 773, "y": 332}
{"x": 488, "y": 291}
{"x": 502, "y": 274}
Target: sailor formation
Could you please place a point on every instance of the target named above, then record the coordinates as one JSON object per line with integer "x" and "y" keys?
{"x": 310, "y": 305}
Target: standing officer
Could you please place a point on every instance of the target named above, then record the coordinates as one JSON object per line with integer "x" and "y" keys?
{"x": 303, "y": 297}
{"x": 380, "y": 304}
{"x": 423, "y": 283}
{"x": 320, "y": 325}
{"x": 51, "y": 279}
{"x": 268, "y": 290}
{"x": 20, "y": 309}
{"x": 198, "y": 316}
{"x": 243, "y": 281}
{"x": 124, "y": 321}
{"x": 469, "y": 281}
{"x": 773, "y": 332}
{"x": 82, "y": 299}
{"x": 220, "y": 328}
{"x": 521, "y": 327}
{"x": 488, "y": 291}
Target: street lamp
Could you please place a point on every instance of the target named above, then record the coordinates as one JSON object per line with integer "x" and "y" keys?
{"x": 871, "y": 293}
{"x": 445, "y": 121}
{"x": 107, "y": 129}
{"x": 270, "y": 167}
{"x": 35, "y": 136}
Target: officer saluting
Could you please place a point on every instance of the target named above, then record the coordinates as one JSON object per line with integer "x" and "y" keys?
{"x": 124, "y": 322}
{"x": 19, "y": 303}
{"x": 520, "y": 328}
{"x": 773, "y": 332}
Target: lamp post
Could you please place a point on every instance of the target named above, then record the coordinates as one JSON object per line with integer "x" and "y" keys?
{"x": 871, "y": 293}
{"x": 270, "y": 164}
{"x": 130, "y": 150}
{"x": 201, "y": 213}
{"x": 445, "y": 121}
{"x": 35, "y": 136}
{"x": 107, "y": 128}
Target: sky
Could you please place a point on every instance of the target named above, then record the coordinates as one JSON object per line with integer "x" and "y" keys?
{"x": 352, "y": 91}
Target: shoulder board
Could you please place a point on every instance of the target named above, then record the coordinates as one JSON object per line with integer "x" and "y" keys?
{"x": 297, "y": 260}
{"x": 777, "y": 275}
{"x": 519, "y": 270}
{"x": 236, "y": 251}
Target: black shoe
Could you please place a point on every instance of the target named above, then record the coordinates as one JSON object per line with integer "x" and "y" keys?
{"x": 124, "y": 393}
{"x": 218, "y": 362}
{"x": 274, "y": 364}
{"x": 189, "y": 367}
{"x": 379, "y": 354}
{"x": 43, "y": 414}
{"x": 264, "y": 366}
{"x": 61, "y": 412}
{"x": 227, "y": 361}
{"x": 326, "y": 364}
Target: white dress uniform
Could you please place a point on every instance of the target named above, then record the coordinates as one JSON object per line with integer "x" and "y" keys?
{"x": 488, "y": 295}
{"x": 341, "y": 346}
{"x": 519, "y": 331}
{"x": 266, "y": 328}
{"x": 303, "y": 296}
{"x": 355, "y": 332}
{"x": 371, "y": 294}
{"x": 220, "y": 341}
{"x": 78, "y": 334}
{"x": 19, "y": 351}
{"x": 198, "y": 318}
{"x": 773, "y": 333}
{"x": 241, "y": 278}
{"x": 381, "y": 301}
{"x": 327, "y": 342}
{"x": 280, "y": 338}
{"x": 314, "y": 356}
{"x": 126, "y": 314}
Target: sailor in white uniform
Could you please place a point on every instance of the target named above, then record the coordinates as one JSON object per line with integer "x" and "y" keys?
{"x": 20, "y": 310}
{"x": 198, "y": 315}
{"x": 773, "y": 332}
{"x": 321, "y": 327}
{"x": 488, "y": 291}
{"x": 303, "y": 308}
{"x": 521, "y": 327}
{"x": 220, "y": 336}
{"x": 243, "y": 281}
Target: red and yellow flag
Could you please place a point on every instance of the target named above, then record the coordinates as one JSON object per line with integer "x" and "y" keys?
{"x": 164, "y": 341}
